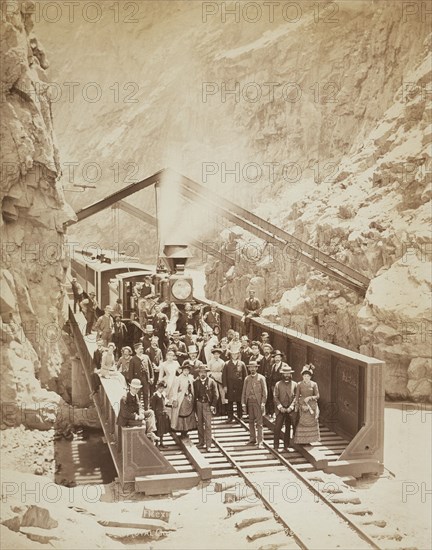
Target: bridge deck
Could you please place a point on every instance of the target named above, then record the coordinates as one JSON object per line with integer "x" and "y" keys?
{"x": 135, "y": 457}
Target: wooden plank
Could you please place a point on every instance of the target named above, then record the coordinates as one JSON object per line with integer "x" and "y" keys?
{"x": 199, "y": 462}
{"x": 165, "y": 484}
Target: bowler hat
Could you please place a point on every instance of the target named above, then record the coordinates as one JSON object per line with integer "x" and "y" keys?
{"x": 204, "y": 367}
{"x": 135, "y": 383}
{"x": 149, "y": 328}
{"x": 277, "y": 352}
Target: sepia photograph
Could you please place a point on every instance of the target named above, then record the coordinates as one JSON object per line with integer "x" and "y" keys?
{"x": 216, "y": 260}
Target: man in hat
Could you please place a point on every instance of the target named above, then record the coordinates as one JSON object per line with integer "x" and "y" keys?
{"x": 118, "y": 308}
{"x": 160, "y": 323}
{"x": 147, "y": 336}
{"x": 255, "y": 355}
{"x": 119, "y": 336}
{"x": 205, "y": 402}
{"x": 147, "y": 287}
{"x": 189, "y": 338}
{"x": 88, "y": 307}
{"x": 193, "y": 361}
{"x": 140, "y": 368}
{"x": 251, "y": 308}
{"x": 265, "y": 368}
{"x": 131, "y": 412}
{"x": 254, "y": 397}
{"x": 181, "y": 349}
{"x": 265, "y": 339}
{"x": 155, "y": 355}
{"x": 233, "y": 376}
{"x": 285, "y": 404}
{"x": 245, "y": 350}
{"x": 212, "y": 317}
{"x": 134, "y": 330}
{"x": 105, "y": 325}
{"x": 274, "y": 377}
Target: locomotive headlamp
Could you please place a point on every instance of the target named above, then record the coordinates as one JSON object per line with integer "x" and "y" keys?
{"x": 181, "y": 289}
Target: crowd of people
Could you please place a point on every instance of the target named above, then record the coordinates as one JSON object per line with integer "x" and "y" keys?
{"x": 177, "y": 381}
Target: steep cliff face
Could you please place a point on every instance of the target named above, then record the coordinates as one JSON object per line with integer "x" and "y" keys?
{"x": 374, "y": 216}
{"x": 34, "y": 259}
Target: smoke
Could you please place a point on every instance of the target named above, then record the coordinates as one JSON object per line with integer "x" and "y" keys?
{"x": 180, "y": 221}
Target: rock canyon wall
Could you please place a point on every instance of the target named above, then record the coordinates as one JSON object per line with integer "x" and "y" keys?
{"x": 35, "y": 371}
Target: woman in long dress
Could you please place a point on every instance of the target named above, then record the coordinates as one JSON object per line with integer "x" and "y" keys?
{"x": 216, "y": 365}
{"x": 307, "y": 395}
{"x": 168, "y": 371}
{"x": 183, "y": 414}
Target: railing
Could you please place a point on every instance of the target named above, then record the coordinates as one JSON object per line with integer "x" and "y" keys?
{"x": 351, "y": 385}
{"x": 132, "y": 452}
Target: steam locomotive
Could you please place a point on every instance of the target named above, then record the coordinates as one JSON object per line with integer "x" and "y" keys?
{"x": 123, "y": 277}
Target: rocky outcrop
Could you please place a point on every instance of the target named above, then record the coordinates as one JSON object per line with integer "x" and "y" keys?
{"x": 375, "y": 217}
{"x": 34, "y": 256}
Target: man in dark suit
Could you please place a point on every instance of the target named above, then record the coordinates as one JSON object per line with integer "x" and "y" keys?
{"x": 274, "y": 377}
{"x": 160, "y": 323}
{"x": 132, "y": 414}
{"x": 233, "y": 376}
{"x": 140, "y": 368}
{"x": 205, "y": 401}
{"x": 284, "y": 402}
{"x": 147, "y": 336}
{"x": 252, "y": 308}
{"x": 254, "y": 397}
{"x": 212, "y": 317}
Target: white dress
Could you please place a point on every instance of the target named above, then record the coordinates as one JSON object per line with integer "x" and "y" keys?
{"x": 167, "y": 372}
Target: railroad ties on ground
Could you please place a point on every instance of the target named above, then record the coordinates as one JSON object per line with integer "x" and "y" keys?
{"x": 312, "y": 509}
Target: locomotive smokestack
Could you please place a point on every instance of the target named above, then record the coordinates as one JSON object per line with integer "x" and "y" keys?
{"x": 175, "y": 257}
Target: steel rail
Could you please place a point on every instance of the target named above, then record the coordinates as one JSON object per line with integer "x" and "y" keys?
{"x": 250, "y": 483}
{"x": 314, "y": 490}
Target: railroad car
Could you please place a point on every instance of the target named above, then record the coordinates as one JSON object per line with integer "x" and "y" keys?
{"x": 112, "y": 277}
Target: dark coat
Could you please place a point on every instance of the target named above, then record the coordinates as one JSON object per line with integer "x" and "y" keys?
{"x": 157, "y": 403}
{"x": 265, "y": 367}
{"x": 141, "y": 369}
{"x": 119, "y": 336}
{"x": 252, "y": 306}
{"x": 182, "y": 353}
{"x": 208, "y": 389}
{"x": 212, "y": 319}
{"x": 97, "y": 358}
{"x": 233, "y": 379}
{"x": 275, "y": 374}
{"x": 129, "y": 406}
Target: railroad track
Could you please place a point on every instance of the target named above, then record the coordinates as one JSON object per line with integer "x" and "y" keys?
{"x": 315, "y": 512}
